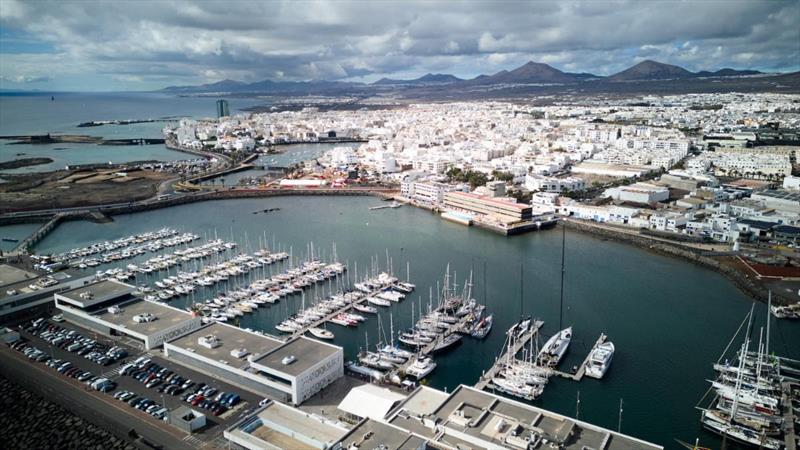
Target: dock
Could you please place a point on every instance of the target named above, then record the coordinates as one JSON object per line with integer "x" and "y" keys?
{"x": 392, "y": 205}
{"x": 344, "y": 309}
{"x": 520, "y": 343}
{"x": 578, "y": 376}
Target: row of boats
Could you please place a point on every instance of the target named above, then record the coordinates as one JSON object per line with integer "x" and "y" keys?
{"x": 127, "y": 247}
{"x": 184, "y": 283}
{"x": 440, "y": 329}
{"x": 786, "y": 312}
{"x": 526, "y": 376}
{"x": 748, "y": 395}
{"x": 245, "y": 299}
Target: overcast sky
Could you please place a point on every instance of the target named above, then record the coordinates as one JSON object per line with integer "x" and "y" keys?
{"x": 143, "y": 45}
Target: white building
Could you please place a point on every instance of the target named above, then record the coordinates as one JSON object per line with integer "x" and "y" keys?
{"x": 638, "y": 193}
{"x": 293, "y": 370}
{"x": 550, "y": 184}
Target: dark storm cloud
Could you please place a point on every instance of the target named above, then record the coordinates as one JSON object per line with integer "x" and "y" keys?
{"x": 190, "y": 42}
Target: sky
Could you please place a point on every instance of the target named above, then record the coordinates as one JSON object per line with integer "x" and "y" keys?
{"x": 147, "y": 45}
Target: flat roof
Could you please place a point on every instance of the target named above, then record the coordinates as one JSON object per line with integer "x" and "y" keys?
{"x": 100, "y": 291}
{"x": 229, "y": 338}
{"x": 574, "y": 434}
{"x": 166, "y": 316}
{"x": 307, "y": 352}
{"x": 469, "y": 195}
{"x": 371, "y": 434}
{"x": 10, "y": 275}
{"x": 299, "y": 422}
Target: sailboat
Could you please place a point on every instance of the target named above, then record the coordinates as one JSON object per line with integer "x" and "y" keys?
{"x": 554, "y": 349}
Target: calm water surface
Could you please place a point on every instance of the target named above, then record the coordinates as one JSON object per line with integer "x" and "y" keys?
{"x": 668, "y": 319}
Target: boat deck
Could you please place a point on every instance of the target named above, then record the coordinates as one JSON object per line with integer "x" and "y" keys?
{"x": 578, "y": 376}
{"x": 487, "y": 377}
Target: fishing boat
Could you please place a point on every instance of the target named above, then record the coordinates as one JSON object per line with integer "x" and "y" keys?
{"x": 321, "y": 333}
{"x": 421, "y": 367}
{"x": 600, "y": 360}
{"x": 555, "y": 348}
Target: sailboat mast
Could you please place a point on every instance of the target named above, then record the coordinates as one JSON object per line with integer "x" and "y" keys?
{"x": 563, "y": 247}
{"x": 769, "y": 312}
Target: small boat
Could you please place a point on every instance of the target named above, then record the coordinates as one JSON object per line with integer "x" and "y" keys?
{"x": 600, "y": 360}
{"x": 365, "y": 308}
{"x": 421, "y": 367}
{"x": 321, "y": 333}
{"x": 379, "y": 301}
{"x": 483, "y": 327}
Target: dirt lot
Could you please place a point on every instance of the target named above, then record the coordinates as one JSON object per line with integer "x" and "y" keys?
{"x": 65, "y": 189}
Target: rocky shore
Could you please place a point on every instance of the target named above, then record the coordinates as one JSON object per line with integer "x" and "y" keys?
{"x": 32, "y": 422}
{"x": 744, "y": 282}
{"x": 24, "y": 162}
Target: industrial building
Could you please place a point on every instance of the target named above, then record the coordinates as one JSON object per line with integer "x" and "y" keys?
{"x": 108, "y": 307}
{"x": 292, "y": 371}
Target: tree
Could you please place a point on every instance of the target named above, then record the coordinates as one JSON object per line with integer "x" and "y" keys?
{"x": 502, "y": 176}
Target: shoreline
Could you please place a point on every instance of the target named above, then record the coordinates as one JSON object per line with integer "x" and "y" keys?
{"x": 746, "y": 284}
{"x": 749, "y": 285}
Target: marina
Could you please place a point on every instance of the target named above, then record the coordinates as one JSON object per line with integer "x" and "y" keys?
{"x": 429, "y": 252}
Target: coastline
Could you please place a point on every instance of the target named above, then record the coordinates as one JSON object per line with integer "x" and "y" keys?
{"x": 747, "y": 284}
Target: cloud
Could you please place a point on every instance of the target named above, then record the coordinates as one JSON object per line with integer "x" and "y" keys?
{"x": 153, "y": 44}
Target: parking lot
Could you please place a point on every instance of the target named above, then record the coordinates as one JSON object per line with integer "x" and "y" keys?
{"x": 143, "y": 382}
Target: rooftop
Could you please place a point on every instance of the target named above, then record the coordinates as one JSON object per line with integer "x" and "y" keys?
{"x": 307, "y": 352}
{"x": 370, "y": 434}
{"x": 10, "y": 275}
{"x": 97, "y": 292}
{"x": 166, "y": 316}
{"x": 229, "y": 338}
{"x": 277, "y": 416}
{"x": 780, "y": 194}
{"x": 469, "y": 195}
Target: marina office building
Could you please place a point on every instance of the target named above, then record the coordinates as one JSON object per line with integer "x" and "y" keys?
{"x": 21, "y": 290}
{"x": 109, "y": 307}
{"x": 292, "y": 371}
{"x": 501, "y": 211}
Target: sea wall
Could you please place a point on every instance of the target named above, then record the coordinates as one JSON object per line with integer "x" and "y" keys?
{"x": 744, "y": 282}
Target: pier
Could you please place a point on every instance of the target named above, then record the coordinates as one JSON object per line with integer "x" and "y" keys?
{"x": 39, "y": 234}
{"x": 499, "y": 363}
{"x": 578, "y": 376}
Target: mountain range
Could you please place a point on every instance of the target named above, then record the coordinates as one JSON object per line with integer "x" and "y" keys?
{"x": 529, "y": 73}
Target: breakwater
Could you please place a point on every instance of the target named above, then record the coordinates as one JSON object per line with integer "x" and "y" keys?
{"x": 30, "y": 421}
{"x": 744, "y": 282}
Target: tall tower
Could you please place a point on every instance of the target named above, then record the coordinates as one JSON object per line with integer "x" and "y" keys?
{"x": 222, "y": 109}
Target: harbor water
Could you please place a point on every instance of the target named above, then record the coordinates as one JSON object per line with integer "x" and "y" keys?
{"x": 669, "y": 319}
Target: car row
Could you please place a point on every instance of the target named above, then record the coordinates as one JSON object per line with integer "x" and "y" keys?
{"x": 65, "y": 368}
{"x": 75, "y": 342}
{"x": 143, "y": 404}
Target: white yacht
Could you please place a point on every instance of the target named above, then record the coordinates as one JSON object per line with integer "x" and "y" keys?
{"x": 421, "y": 367}
{"x": 599, "y": 360}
